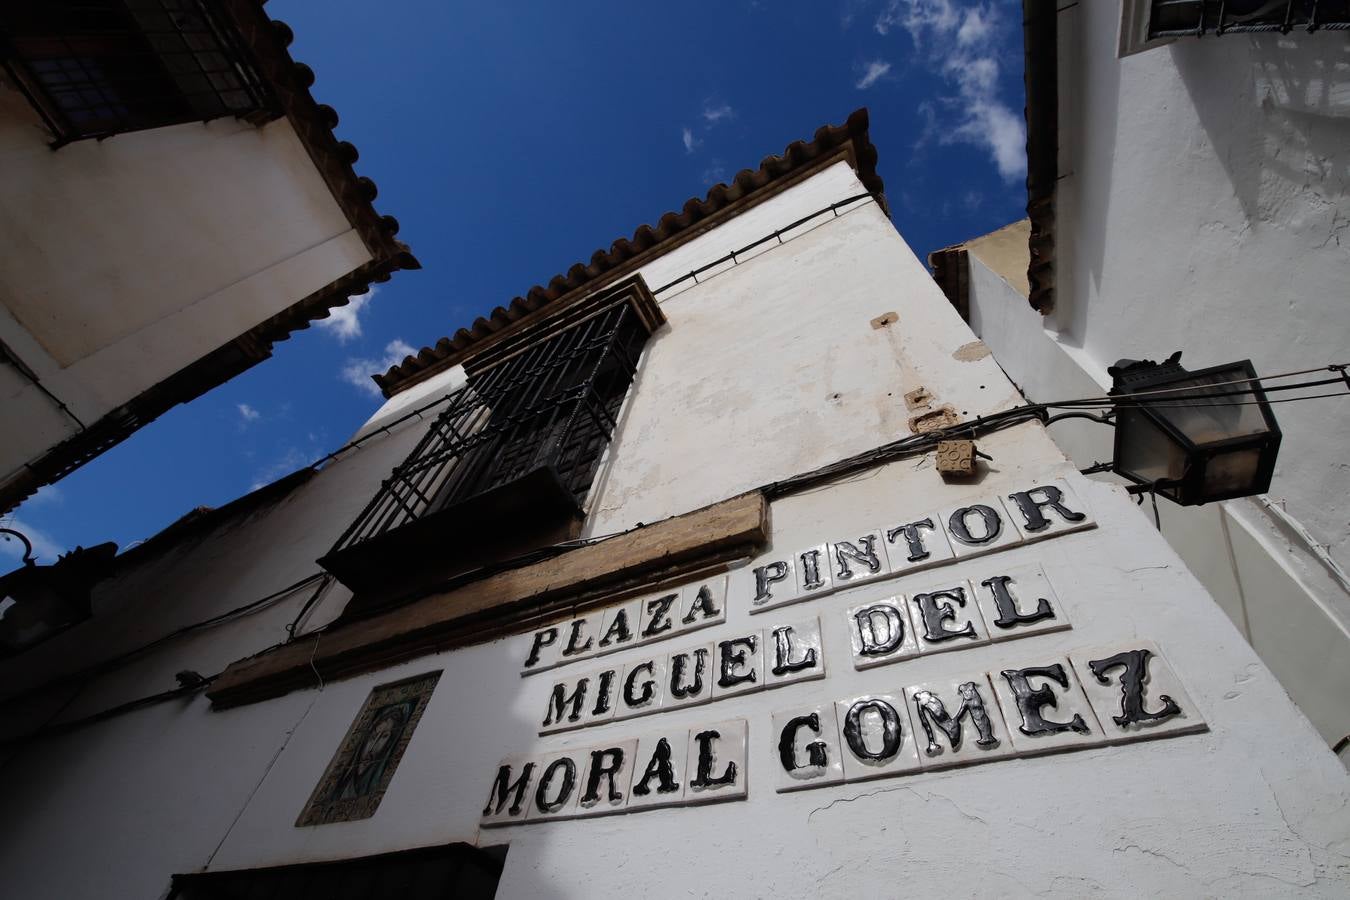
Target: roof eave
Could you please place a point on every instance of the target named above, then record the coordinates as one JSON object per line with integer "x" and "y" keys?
{"x": 1041, "y": 74}
{"x": 801, "y": 159}
{"x": 313, "y": 122}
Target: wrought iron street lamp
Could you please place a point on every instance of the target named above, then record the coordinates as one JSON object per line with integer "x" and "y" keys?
{"x": 36, "y": 601}
{"x": 1194, "y": 437}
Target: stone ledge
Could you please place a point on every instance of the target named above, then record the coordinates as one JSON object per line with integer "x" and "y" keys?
{"x": 589, "y": 576}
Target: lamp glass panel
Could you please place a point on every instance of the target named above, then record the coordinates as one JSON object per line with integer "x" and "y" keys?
{"x": 1233, "y": 472}
{"x": 1209, "y": 418}
{"x": 1145, "y": 451}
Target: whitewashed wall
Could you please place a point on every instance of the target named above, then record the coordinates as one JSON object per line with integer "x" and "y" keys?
{"x": 1202, "y": 207}
{"x": 1257, "y": 805}
{"x": 124, "y": 260}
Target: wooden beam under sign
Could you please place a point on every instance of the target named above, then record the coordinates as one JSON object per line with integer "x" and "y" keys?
{"x": 583, "y": 578}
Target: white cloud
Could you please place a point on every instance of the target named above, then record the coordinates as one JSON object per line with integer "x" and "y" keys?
{"x": 961, "y": 42}
{"x": 48, "y": 493}
{"x": 690, "y": 142}
{"x": 1001, "y": 131}
{"x": 872, "y": 74}
{"x": 918, "y": 16}
{"x": 716, "y": 171}
{"x": 290, "y": 461}
{"x": 247, "y": 413}
{"x": 357, "y": 371}
{"x": 716, "y": 112}
{"x": 976, "y": 26}
{"x": 344, "y": 322}
{"x": 45, "y": 548}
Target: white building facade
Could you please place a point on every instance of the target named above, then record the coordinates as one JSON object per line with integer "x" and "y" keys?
{"x": 1003, "y": 684}
{"x": 1189, "y": 193}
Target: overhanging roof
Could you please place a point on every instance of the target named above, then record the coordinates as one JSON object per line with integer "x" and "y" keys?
{"x": 266, "y": 40}
{"x": 750, "y": 187}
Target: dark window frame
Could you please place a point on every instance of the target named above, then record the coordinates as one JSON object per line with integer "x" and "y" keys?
{"x": 97, "y": 68}
{"x": 1195, "y": 18}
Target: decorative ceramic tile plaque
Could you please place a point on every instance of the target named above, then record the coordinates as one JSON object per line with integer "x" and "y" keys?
{"x": 671, "y": 767}
{"x": 358, "y": 775}
{"x": 1037, "y": 706}
{"x": 914, "y": 543}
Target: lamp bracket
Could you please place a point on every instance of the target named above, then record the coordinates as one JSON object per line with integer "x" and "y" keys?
{"x": 28, "y": 559}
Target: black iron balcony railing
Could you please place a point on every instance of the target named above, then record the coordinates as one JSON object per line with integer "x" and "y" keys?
{"x": 506, "y": 467}
{"x": 1193, "y": 18}
{"x": 95, "y": 68}
{"x": 551, "y": 406}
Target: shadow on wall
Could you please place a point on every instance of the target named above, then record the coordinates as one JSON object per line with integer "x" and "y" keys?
{"x": 1276, "y": 110}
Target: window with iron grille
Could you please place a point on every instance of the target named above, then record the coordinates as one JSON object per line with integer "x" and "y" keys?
{"x": 1182, "y": 18}
{"x": 521, "y": 441}
{"x": 95, "y": 68}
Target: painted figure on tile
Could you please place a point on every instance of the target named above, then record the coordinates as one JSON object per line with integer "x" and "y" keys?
{"x": 367, "y": 766}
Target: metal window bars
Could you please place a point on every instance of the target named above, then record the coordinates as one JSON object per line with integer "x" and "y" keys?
{"x": 552, "y": 404}
{"x": 1193, "y": 18}
{"x": 95, "y": 68}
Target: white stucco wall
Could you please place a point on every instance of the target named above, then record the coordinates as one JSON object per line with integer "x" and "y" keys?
{"x": 1201, "y": 207}
{"x": 126, "y": 259}
{"x": 1282, "y": 600}
{"x": 1256, "y": 806}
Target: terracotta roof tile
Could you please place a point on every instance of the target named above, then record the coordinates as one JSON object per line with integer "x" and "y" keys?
{"x": 799, "y": 155}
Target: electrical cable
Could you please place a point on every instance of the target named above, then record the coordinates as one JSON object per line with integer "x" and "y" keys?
{"x": 50, "y": 730}
{"x": 907, "y": 446}
{"x": 324, "y": 582}
{"x": 113, "y": 662}
{"x": 1031, "y": 411}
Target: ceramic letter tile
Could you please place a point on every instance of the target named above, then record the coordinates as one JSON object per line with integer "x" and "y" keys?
{"x": 541, "y": 648}
{"x": 813, "y": 571}
{"x": 578, "y": 638}
{"x": 946, "y": 616}
{"x": 875, "y": 737}
{"x": 642, "y": 687}
{"x": 917, "y": 544}
{"x": 1048, "y": 509}
{"x": 606, "y": 776}
{"x": 557, "y": 784}
{"x": 857, "y": 560}
{"x": 715, "y": 762}
{"x": 703, "y": 603}
{"x": 738, "y": 665}
{"x": 793, "y": 652}
{"x": 806, "y": 748}
{"x": 660, "y": 616}
{"x": 602, "y": 697}
{"x": 1044, "y": 706}
{"x": 1017, "y": 601}
{"x": 511, "y": 791}
{"x": 881, "y": 633}
{"x": 660, "y": 772}
{"x": 979, "y": 527}
{"x": 1135, "y": 693}
{"x": 566, "y": 700}
{"x": 690, "y": 673}
{"x": 771, "y": 582}
{"x": 619, "y": 627}
{"x": 964, "y": 707}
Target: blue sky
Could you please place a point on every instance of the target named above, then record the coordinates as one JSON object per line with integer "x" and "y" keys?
{"x": 512, "y": 140}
